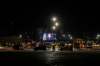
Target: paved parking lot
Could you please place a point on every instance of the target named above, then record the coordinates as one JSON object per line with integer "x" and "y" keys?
{"x": 49, "y": 58}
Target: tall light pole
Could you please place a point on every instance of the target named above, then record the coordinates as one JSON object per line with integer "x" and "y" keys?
{"x": 55, "y": 23}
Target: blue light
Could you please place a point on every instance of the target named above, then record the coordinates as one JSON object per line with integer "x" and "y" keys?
{"x": 49, "y": 36}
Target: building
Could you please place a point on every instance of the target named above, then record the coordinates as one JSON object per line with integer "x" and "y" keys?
{"x": 79, "y": 43}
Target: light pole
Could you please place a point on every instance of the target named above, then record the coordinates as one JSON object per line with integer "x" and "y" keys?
{"x": 55, "y": 23}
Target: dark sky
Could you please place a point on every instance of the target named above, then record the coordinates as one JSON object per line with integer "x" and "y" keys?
{"x": 75, "y": 16}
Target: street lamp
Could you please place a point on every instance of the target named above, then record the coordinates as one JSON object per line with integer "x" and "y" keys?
{"x": 56, "y": 24}
{"x": 53, "y": 27}
{"x": 54, "y": 19}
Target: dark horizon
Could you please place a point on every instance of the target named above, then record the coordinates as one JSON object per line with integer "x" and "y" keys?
{"x": 74, "y": 19}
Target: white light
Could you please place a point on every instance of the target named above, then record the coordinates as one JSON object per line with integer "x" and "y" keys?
{"x": 71, "y": 38}
{"x": 98, "y": 36}
{"x": 20, "y": 36}
{"x": 49, "y": 35}
{"x": 44, "y": 36}
{"x": 51, "y": 49}
{"x": 1, "y": 47}
{"x": 69, "y": 35}
{"x": 56, "y": 49}
{"x": 53, "y": 27}
{"x": 54, "y": 19}
{"x": 56, "y": 24}
{"x": 69, "y": 44}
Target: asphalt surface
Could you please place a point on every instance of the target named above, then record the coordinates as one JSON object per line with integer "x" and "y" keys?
{"x": 45, "y": 58}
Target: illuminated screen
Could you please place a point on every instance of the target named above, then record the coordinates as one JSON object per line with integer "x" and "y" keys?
{"x": 49, "y": 36}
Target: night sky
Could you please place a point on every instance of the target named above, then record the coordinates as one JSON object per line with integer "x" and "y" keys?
{"x": 75, "y": 17}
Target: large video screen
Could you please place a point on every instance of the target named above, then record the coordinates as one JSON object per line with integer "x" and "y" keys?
{"x": 49, "y": 36}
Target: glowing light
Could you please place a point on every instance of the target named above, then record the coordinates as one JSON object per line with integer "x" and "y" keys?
{"x": 1, "y": 47}
{"x": 69, "y": 44}
{"x": 56, "y": 24}
{"x": 54, "y": 19}
{"x": 44, "y": 36}
{"x": 98, "y": 36}
{"x": 56, "y": 48}
{"x": 51, "y": 49}
{"x": 70, "y": 36}
{"x": 53, "y": 27}
{"x": 49, "y": 35}
{"x": 20, "y": 36}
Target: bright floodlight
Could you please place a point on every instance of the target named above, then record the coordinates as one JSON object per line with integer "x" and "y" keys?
{"x": 54, "y": 19}
{"x": 56, "y": 24}
{"x": 53, "y": 27}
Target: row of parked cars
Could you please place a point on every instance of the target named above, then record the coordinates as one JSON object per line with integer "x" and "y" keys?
{"x": 50, "y": 46}
{"x": 58, "y": 46}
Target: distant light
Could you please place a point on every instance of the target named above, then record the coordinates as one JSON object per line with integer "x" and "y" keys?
{"x": 54, "y": 19}
{"x": 1, "y": 47}
{"x": 98, "y": 36}
{"x": 63, "y": 35}
{"x": 49, "y": 35}
{"x": 20, "y": 36}
{"x": 69, "y": 44}
{"x": 56, "y": 24}
{"x": 53, "y": 27}
{"x": 70, "y": 36}
{"x": 44, "y": 36}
